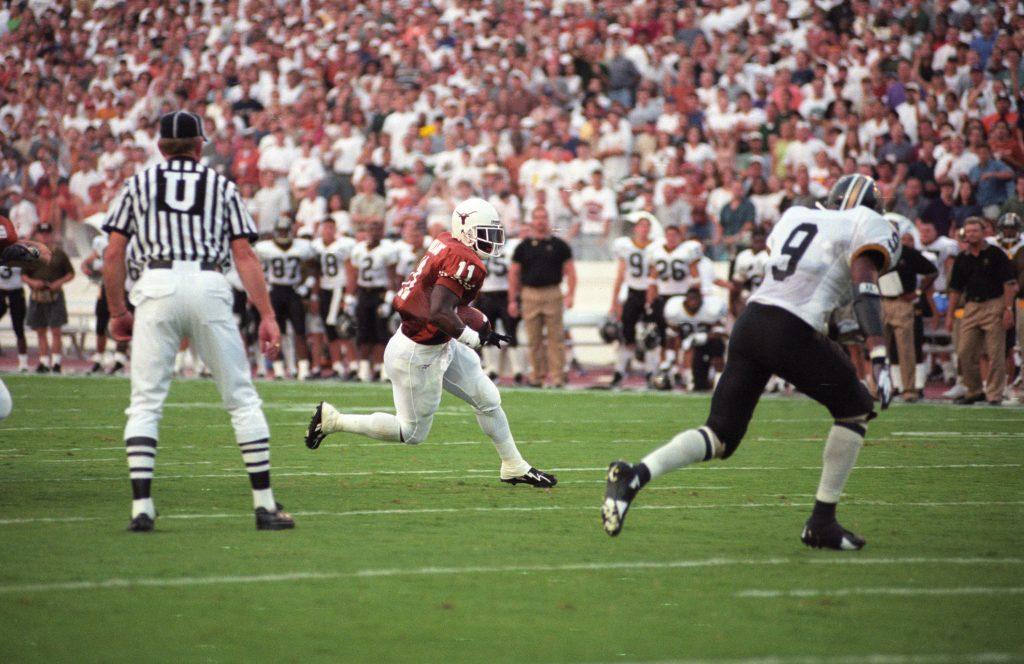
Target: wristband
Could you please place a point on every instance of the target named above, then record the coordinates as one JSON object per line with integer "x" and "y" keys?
{"x": 469, "y": 337}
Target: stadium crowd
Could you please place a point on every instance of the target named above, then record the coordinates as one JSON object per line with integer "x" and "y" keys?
{"x": 706, "y": 119}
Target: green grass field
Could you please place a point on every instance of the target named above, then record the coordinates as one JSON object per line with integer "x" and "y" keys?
{"x": 420, "y": 554}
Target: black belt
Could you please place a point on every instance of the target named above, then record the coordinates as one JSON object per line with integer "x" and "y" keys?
{"x": 205, "y": 266}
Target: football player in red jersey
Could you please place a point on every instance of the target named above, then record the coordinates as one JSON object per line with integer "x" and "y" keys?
{"x": 435, "y": 350}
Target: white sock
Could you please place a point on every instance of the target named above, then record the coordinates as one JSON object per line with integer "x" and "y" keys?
{"x": 897, "y": 378}
{"x": 120, "y": 357}
{"x": 687, "y": 447}
{"x": 495, "y": 425}
{"x": 518, "y": 359}
{"x": 651, "y": 361}
{"x": 920, "y": 376}
{"x": 264, "y": 498}
{"x": 492, "y": 360}
{"x": 278, "y": 369}
{"x": 55, "y": 358}
{"x": 303, "y": 369}
{"x": 380, "y": 426}
{"x": 622, "y": 359}
{"x": 840, "y": 454}
{"x": 365, "y": 373}
{"x": 44, "y": 361}
{"x": 338, "y": 368}
{"x": 143, "y": 505}
{"x": 22, "y": 360}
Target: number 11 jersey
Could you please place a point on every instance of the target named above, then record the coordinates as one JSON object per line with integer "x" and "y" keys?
{"x": 811, "y": 253}
{"x": 448, "y": 263}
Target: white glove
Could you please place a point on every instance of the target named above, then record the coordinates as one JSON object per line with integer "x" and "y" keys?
{"x": 350, "y": 305}
{"x": 470, "y": 337}
{"x": 700, "y": 338}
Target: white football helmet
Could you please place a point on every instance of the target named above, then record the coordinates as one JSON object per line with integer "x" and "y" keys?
{"x": 693, "y": 250}
{"x": 475, "y": 223}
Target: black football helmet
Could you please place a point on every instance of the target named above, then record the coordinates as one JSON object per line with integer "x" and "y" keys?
{"x": 1009, "y": 228}
{"x": 346, "y": 326}
{"x": 610, "y": 331}
{"x": 853, "y": 190}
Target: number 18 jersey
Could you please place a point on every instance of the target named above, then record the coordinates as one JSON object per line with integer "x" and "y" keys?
{"x": 811, "y": 252}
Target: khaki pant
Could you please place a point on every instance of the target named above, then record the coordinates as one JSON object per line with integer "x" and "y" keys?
{"x": 899, "y": 323}
{"x": 982, "y": 329}
{"x": 542, "y": 316}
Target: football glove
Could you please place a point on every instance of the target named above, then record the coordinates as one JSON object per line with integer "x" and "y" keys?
{"x": 495, "y": 339}
{"x": 19, "y": 255}
{"x": 883, "y": 378}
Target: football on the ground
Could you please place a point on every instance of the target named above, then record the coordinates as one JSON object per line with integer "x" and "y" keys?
{"x": 8, "y": 235}
{"x": 474, "y": 318}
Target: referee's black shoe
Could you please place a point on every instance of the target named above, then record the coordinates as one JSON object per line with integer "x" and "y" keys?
{"x": 534, "y": 477}
{"x": 276, "y": 520}
{"x": 142, "y": 523}
{"x": 830, "y": 535}
{"x": 315, "y": 433}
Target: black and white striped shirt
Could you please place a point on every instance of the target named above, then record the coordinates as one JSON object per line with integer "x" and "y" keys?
{"x": 180, "y": 210}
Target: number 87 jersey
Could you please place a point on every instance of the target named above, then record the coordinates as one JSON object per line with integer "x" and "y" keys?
{"x": 447, "y": 264}
{"x": 808, "y": 273}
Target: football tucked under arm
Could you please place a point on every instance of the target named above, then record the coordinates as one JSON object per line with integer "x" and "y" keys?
{"x": 474, "y": 319}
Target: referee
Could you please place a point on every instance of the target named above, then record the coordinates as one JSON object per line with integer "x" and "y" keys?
{"x": 186, "y": 223}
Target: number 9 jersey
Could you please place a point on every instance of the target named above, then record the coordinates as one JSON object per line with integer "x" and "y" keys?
{"x": 811, "y": 252}
{"x": 449, "y": 264}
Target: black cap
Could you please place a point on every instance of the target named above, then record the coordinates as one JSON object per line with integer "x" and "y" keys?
{"x": 181, "y": 124}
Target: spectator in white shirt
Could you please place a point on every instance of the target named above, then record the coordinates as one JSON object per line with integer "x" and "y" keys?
{"x": 23, "y": 213}
{"x": 269, "y": 203}
{"x": 311, "y": 210}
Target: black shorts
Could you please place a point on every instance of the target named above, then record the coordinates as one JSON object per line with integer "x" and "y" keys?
{"x": 634, "y": 310}
{"x": 102, "y": 312}
{"x": 326, "y": 297}
{"x": 371, "y": 327}
{"x": 288, "y": 308}
{"x": 769, "y": 340}
{"x": 494, "y": 305}
{"x": 658, "y": 316}
{"x": 14, "y": 301}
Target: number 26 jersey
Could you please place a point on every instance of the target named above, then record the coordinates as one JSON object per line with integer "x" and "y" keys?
{"x": 808, "y": 273}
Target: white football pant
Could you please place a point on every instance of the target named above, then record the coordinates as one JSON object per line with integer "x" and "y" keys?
{"x": 186, "y": 302}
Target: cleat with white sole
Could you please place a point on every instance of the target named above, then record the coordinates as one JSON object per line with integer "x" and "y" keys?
{"x": 831, "y": 535}
{"x": 621, "y": 488}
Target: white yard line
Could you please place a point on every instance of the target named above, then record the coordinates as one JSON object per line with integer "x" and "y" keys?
{"x": 190, "y": 581}
{"x": 524, "y": 508}
{"x": 869, "y": 658}
{"x": 887, "y": 591}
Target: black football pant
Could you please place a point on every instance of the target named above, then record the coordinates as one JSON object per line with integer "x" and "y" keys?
{"x": 769, "y": 340}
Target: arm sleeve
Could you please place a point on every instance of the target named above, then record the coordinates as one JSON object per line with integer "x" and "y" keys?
{"x": 240, "y": 222}
{"x": 120, "y": 217}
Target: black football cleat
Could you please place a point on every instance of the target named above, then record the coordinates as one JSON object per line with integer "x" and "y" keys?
{"x": 315, "y": 433}
{"x": 534, "y": 477}
{"x": 142, "y": 523}
{"x": 56, "y": 369}
{"x": 831, "y": 535}
{"x": 621, "y": 488}
{"x": 277, "y": 520}
{"x": 617, "y": 378}
{"x": 96, "y": 368}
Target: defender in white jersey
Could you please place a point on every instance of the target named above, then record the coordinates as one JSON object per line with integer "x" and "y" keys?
{"x": 629, "y": 293}
{"x": 493, "y": 302}
{"x": 820, "y": 259}
{"x": 102, "y": 361}
{"x": 699, "y": 323}
{"x": 12, "y": 299}
{"x": 287, "y": 268}
{"x": 372, "y": 279}
{"x": 333, "y": 252}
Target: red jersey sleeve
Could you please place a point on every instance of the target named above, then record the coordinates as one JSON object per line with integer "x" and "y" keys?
{"x": 462, "y": 273}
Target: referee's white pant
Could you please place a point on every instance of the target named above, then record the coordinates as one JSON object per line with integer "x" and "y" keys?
{"x": 185, "y": 302}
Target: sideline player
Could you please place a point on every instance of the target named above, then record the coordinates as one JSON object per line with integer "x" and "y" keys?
{"x": 748, "y": 270}
{"x": 185, "y": 222}
{"x": 285, "y": 260}
{"x": 820, "y": 259}
{"x": 699, "y": 322}
{"x": 493, "y": 302}
{"x": 333, "y": 251}
{"x": 372, "y": 279}
{"x": 434, "y": 350}
{"x": 634, "y": 267}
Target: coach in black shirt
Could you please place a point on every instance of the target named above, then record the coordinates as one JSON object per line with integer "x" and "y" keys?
{"x": 539, "y": 264}
{"x": 985, "y": 279}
